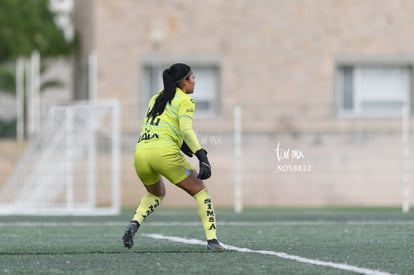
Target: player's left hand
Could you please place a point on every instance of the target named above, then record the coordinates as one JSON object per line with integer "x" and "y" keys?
{"x": 205, "y": 167}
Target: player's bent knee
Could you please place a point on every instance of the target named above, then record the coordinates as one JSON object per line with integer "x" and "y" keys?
{"x": 157, "y": 189}
{"x": 192, "y": 185}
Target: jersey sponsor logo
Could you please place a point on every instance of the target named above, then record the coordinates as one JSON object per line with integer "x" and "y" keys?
{"x": 147, "y": 136}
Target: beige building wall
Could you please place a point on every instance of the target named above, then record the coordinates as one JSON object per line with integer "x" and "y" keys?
{"x": 278, "y": 61}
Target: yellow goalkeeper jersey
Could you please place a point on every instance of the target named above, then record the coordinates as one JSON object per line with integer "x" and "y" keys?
{"x": 174, "y": 125}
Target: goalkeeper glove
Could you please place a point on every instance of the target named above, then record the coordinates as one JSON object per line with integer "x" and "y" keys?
{"x": 186, "y": 150}
{"x": 205, "y": 168}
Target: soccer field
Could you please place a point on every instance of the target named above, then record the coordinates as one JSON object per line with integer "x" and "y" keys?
{"x": 258, "y": 241}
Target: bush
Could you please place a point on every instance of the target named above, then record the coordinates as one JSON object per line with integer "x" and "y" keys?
{"x": 8, "y": 129}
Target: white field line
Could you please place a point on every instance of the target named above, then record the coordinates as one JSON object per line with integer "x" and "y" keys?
{"x": 198, "y": 223}
{"x": 282, "y": 255}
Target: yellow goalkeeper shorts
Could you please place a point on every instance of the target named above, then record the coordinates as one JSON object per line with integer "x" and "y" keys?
{"x": 150, "y": 164}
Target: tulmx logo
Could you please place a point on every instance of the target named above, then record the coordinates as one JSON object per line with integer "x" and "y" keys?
{"x": 290, "y": 160}
{"x": 283, "y": 154}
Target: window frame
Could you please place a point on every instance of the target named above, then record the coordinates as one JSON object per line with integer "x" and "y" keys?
{"x": 159, "y": 63}
{"x": 353, "y": 63}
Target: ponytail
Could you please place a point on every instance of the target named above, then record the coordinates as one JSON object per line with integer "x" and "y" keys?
{"x": 170, "y": 77}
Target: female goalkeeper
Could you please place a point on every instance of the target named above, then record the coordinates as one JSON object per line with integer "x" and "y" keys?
{"x": 167, "y": 129}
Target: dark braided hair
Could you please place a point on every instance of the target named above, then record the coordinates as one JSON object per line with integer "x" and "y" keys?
{"x": 171, "y": 78}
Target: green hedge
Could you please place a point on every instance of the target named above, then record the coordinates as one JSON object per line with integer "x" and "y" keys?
{"x": 8, "y": 129}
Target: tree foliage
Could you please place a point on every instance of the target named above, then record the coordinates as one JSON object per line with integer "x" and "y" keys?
{"x": 27, "y": 25}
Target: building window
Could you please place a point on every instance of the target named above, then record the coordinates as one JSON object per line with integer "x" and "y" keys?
{"x": 373, "y": 90}
{"x": 207, "y": 88}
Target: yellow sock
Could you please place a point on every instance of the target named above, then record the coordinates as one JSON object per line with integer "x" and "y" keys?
{"x": 205, "y": 210}
{"x": 148, "y": 204}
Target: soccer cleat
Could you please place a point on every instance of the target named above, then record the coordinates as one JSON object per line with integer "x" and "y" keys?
{"x": 214, "y": 245}
{"x": 130, "y": 231}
